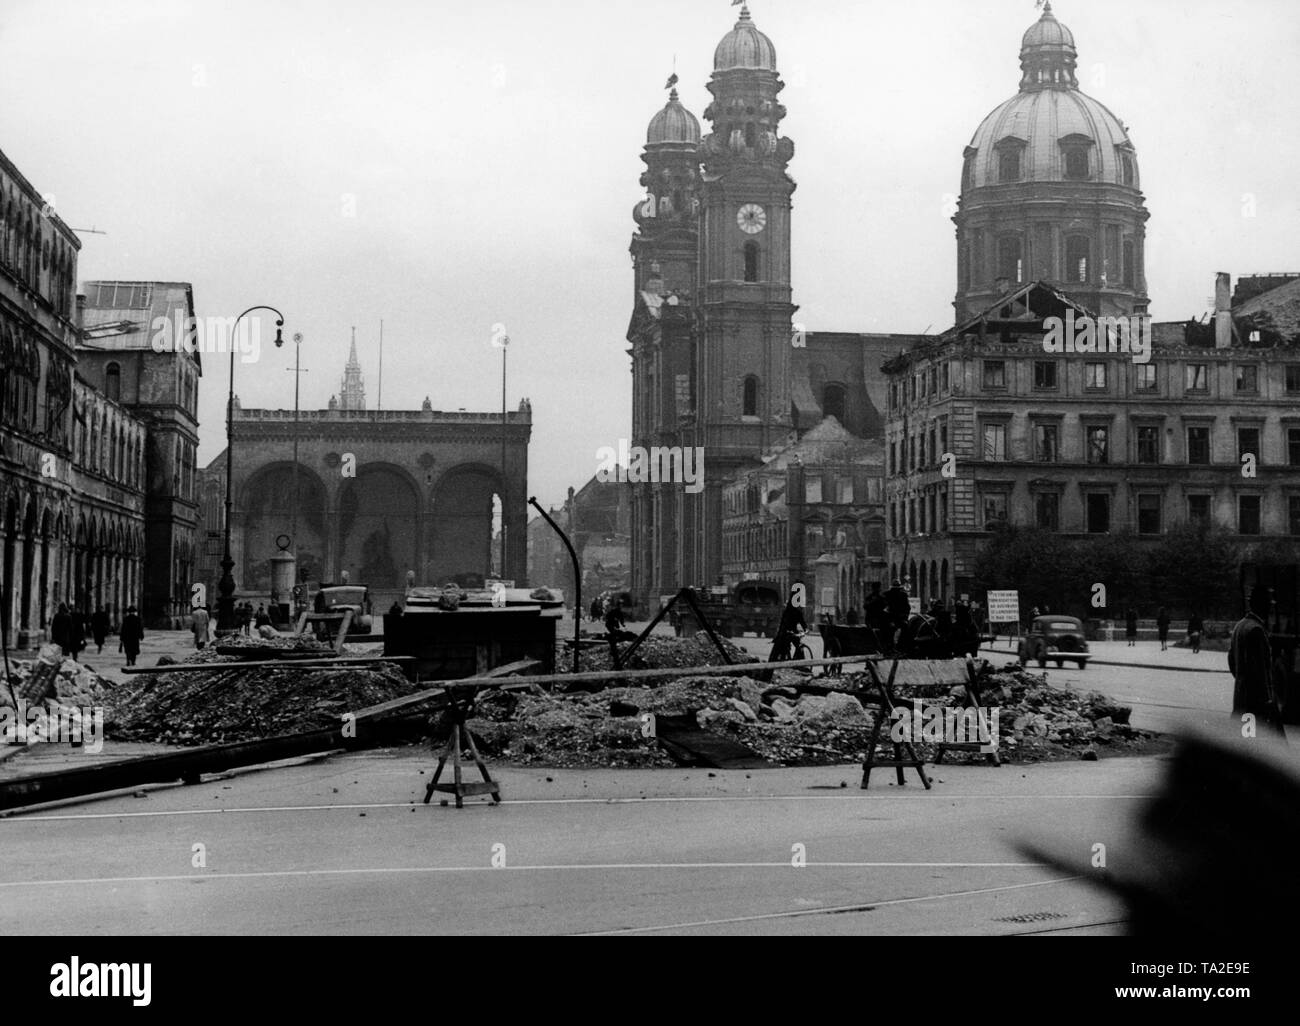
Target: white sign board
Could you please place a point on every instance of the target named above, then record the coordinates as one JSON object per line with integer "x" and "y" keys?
{"x": 1004, "y": 607}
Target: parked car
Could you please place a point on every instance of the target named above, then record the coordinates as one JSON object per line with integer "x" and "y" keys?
{"x": 1059, "y": 639}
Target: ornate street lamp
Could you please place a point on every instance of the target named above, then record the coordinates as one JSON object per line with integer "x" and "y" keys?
{"x": 226, "y": 603}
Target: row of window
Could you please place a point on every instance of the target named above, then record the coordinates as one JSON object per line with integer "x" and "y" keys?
{"x": 1146, "y": 377}
{"x": 923, "y": 514}
{"x": 1149, "y": 512}
{"x": 928, "y": 512}
{"x": 27, "y": 250}
{"x": 924, "y": 383}
{"x": 919, "y": 449}
{"x": 1076, "y": 159}
{"x": 1147, "y": 444}
{"x": 106, "y": 443}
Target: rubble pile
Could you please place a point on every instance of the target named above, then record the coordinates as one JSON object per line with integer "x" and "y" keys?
{"x": 216, "y": 706}
{"x": 269, "y": 638}
{"x": 659, "y": 652}
{"x": 1036, "y": 722}
{"x": 59, "y": 681}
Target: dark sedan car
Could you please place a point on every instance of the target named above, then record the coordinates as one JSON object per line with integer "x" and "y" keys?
{"x": 1059, "y": 639}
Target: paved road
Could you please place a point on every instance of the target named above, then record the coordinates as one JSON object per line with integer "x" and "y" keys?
{"x": 341, "y": 846}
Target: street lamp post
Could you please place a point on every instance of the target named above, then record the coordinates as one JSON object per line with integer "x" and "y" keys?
{"x": 505, "y": 343}
{"x": 226, "y": 588}
{"x": 297, "y": 379}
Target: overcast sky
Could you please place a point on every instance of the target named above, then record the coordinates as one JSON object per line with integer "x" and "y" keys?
{"x": 448, "y": 167}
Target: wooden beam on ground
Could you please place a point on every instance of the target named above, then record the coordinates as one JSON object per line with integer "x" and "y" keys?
{"x": 492, "y": 678}
{"x": 323, "y": 663}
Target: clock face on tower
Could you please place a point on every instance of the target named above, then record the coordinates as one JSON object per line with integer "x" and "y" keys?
{"x": 752, "y": 218}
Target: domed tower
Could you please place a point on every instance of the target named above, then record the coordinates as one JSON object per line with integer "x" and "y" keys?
{"x": 1050, "y": 191}
{"x": 665, "y": 247}
{"x": 745, "y": 307}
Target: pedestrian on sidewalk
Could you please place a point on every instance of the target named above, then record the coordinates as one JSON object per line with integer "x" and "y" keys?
{"x": 1195, "y": 628}
{"x": 1250, "y": 658}
{"x": 1131, "y": 626}
{"x": 199, "y": 625}
{"x": 77, "y": 637}
{"x": 130, "y": 635}
{"x": 61, "y": 629}
{"x": 1162, "y": 624}
{"x": 99, "y": 628}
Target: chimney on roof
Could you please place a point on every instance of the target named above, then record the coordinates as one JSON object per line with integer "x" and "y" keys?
{"x": 1223, "y": 311}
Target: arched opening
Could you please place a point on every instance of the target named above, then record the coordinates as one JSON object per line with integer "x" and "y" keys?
{"x": 268, "y": 505}
{"x": 749, "y": 405}
{"x": 377, "y": 526}
{"x": 462, "y": 523}
{"x": 834, "y": 402}
{"x": 751, "y": 135}
{"x": 751, "y": 262}
{"x": 113, "y": 381}
{"x": 943, "y": 582}
{"x": 1078, "y": 249}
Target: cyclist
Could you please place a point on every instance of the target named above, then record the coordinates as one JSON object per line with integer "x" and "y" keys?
{"x": 793, "y": 627}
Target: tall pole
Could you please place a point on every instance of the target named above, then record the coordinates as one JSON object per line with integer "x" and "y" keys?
{"x": 226, "y": 588}
{"x": 505, "y": 342}
{"x": 297, "y": 379}
{"x": 379, "y": 403}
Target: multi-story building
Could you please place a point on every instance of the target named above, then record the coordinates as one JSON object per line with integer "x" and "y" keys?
{"x": 986, "y": 428}
{"x": 130, "y": 354}
{"x": 813, "y": 514}
{"x": 72, "y": 467}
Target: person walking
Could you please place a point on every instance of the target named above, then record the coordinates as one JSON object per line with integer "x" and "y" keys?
{"x": 130, "y": 634}
{"x": 99, "y": 628}
{"x": 899, "y": 609}
{"x": 199, "y": 625}
{"x": 1162, "y": 624}
{"x": 1131, "y": 627}
{"x": 1250, "y": 659}
{"x": 77, "y": 637}
{"x": 1195, "y": 628}
{"x": 61, "y": 629}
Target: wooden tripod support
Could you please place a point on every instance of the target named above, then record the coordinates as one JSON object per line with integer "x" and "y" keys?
{"x": 460, "y": 703}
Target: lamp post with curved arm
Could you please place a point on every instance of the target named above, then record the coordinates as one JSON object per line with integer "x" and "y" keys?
{"x": 226, "y": 588}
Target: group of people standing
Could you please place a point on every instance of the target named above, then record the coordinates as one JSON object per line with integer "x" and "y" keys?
{"x": 1195, "y": 629}
{"x": 70, "y": 628}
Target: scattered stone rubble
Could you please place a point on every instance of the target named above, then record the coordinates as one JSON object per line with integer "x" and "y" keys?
{"x": 57, "y": 681}
{"x": 1037, "y": 722}
{"x": 216, "y": 707}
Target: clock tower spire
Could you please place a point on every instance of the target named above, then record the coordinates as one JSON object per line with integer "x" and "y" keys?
{"x": 744, "y": 300}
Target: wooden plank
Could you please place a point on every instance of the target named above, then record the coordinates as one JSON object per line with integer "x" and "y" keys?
{"x": 706, "y": 747}
{"x": 492, "y": 678}
{"x": 323, "y": 663}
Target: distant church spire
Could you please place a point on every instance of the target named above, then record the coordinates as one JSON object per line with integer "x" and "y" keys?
{"x": 353, "y": 390}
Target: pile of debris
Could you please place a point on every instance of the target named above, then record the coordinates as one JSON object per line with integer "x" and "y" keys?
{"x": 269, "y": 638}
{"x": 52, "y": 680}
{"x": 659, "y": 652}
{"x": 246, "y": 704}
{"x": 788, "y": 724}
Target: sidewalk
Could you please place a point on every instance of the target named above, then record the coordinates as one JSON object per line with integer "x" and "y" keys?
{"x": 1144, "y": 655}
{"x": 109, "y": 663}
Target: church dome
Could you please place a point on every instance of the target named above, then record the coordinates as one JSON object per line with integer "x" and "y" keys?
{"x": 1044, "y": 126}
{"x": 673, "y": 124}
{"x": 1050, "y": 131}
{"x": 745, "y": 47}
{"x": 1047, "y": 31}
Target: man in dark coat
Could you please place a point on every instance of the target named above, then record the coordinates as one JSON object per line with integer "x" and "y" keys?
{"x": 130, "y": 635}
{"x": 77, "y": 638}
{"x": 899, "y": 608}
{"x": 1195, "y": 628}
{"x": 99, "y": 627}
{"x": 1250, "y": 659}
{"x": 61, "y": 629}
{"x": 1131, "y": 627}
{"x": 1162, "y": 624}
